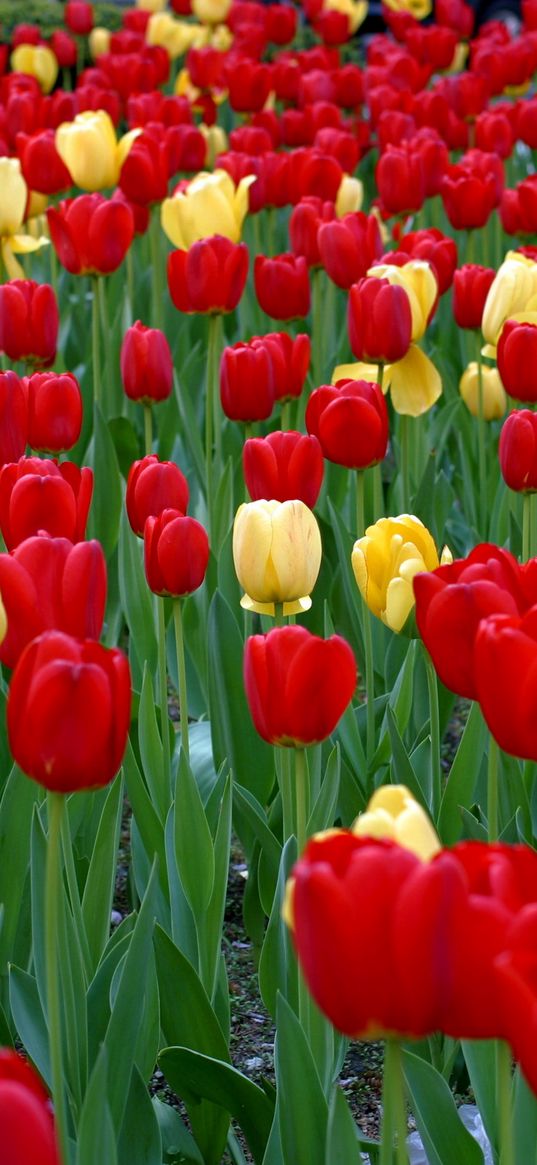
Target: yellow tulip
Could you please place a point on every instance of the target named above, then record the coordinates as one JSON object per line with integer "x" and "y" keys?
{"x": 417, "y": 8}
{"x": 414, "y": 383}
{"x": 217, "y": 142}
{"x": 393, "y": 813}
{"x": 90, "y": 150}
{"x": 151, "y": 5}
{"x": 385, "y": 561}
{"x": 494, "y": 398}
{"x": 277, "y": 555}
{"x": 418, "y": 280}
{"x": 511, "y": 291}
{"x": 210, "y": 205}
{"x": 350, "y": 196}
{"x": 357, "y": 371}
{"x": 176, "y": 36}
{"x": 211, "y": 11}
{"x": 14, "y": 195}
{"x": 37, "y": 60}
{"x": 99, "y": 42}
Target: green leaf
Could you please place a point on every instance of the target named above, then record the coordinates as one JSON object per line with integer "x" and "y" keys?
{"x": 277, "y": 963}
{"x": 344, "y": 1142}
{"x": 223, "y": 1085}
{"x": 136, "y": 598}
{"x": 140, "y": 1141}
{"x": 178, "y": 1144}
{"x": 524, "y": 1121}
{"x": 100, "y": 882}
{"x": 299, "y": 1092}
{"x": 145, "y": 816}
{"x": 105, "y": 511}
{"x": 444, "y": 1136}
{"x": 96, "y": 1136}
{"x": 324, "y": 810}
{"x": 187, "y": 1017}
{"x": 463, "y": 775}
{"x": 480, "y": 1060}
{"x": 214, "y": 918}
{"x": 151, "y": 750}
{"x": 29, "y": 1019}
{"x": 257, "y": 819}
{"x": 193, "y": 842}
{"x": 16, "y": 809}
{"x": 126, "y": 443}
{"x": 402, "y": 769}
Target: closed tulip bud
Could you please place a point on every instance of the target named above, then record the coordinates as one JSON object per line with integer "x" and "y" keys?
{"x": 436, "y": 249}
{"x": 516, "y": 355}
{"x": 50, "y": 583}
{"x": 350, "y": 196}
{"x": 89, "y": 148}
{"x": 154, "y": 486}
{"x": 306, "y": 219}
{"x": 248, "y": 85}
{"x": 348, "y": 247}
{"x": 385, "y": 562}
{"x": 350, "y": 420}
{"x": 289, "y": 360}
{"x": 400, "y": 180}
{"x": 209, "y": 203}
{"x": 417, "y": 278}
{"x": 145, "y": 170}
{"x": 209, "y": 277}
{"x": 25, "y": 1114}
{"x": 44, "y": 495}
{"x": 78, "y": 17}
{"x": 512, "y": 288}
{"x": 283, "y": 466}
{"x": 246, "y": 383}
{"x": 41, "y": 163}
{"x": 297, "y": 685}
{"x": 211, "y": 11}
{"x": 518, "y": 451}
{"x": 176, "y": 553}
{"x": 68, "y": 712}
{"x": 91, "y": 234}
{"x": 282, "y": 286}
{"x": 277, "y": 554}
{"x": 468, "y": 197}
{"x": 471, "y": 285}
{"x": 494, "y": 399}
{"x": 379, "y": 321}
{"x": 29, "y": 321}
{"x": 146, "y": 364}
{"x": 13, "y": 417}
{"x": 54, "y": 411}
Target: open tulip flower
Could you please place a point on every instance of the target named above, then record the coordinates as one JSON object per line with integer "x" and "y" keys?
{"x": 91, "y": 234}
{"x": 385, "y": 562}
{"x": 277, "y": 555}
{"x": 13, "y": 202}
{"x": 89, "y": 148}
{"x": 209, "y": 204}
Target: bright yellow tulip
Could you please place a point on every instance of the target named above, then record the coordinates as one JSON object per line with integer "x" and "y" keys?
{"x": 211, "y": 11}
{"x": 176, "y": 36}
{"x": 511, "y": 291}
{"x": 385, "y": 561}
{"x": 414, "y": 383}
{"x": 350, "y": 196}
{"x": 14, "y": 196}
{"x": 99, "y": 42}
{"x": 210, "y": 205}
{"x": 417, "y": 8}
{"x": 393, "y": 813}
{"x": 90, "y": 150}
{"x": 37, "y": 60}
{"x": 277, "y": 555}
{"x": 494, "y": 398}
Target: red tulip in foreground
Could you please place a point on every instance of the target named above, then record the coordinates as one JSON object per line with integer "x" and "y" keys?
{"x": 505, "y": 663}
{"x": 350, "y": 419}
{"x": 297, "y": 685}
{"x": 283, "y": 466}
{"x": 91, "y": 234}
{"x": 146, "y": 364}
{"x": 518, "y": 451}
{"x": 26, "y": 1122}
{"x": 176, "y": 553}
{"x": 54, "y": 411}
{"x": 29, "y": 321}
{"x": 380, "y": 321}
{"x": 282, "y": 286}
{"x": 209, "y": 277}
{"x": 154, "y": 486}
{"x": 43, "y": 495}
{"x": 68, "y": 712}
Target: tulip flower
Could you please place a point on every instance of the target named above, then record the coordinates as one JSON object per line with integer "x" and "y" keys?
{"x": 13, "y": 417}
{"x": 393, "y": 812}
{"x": 91, "y": 234}
{"x": 90, "y": 150}
{"x": 43, "y": 495}
{"x": 400, "y": 180}
{"x": 516, "y": 355}
{"x": 518, "y": 451}
{"x": 350, "y": 420}
{"x": 146, "y": 364}
{"x": 283, "y": 466}
{"x": 505, "y": 663}
{"x": 154, "y": 486}
{"x": 348, "y": 247}
{"x": 54, "y": 411}
{"x": 209, "y": 277}
{"x": 385, "y": 562}
{"x": 209, "y": 203}
{"x": 25, "y": 1115}
{"x": 379, "y": 321}
{"x": 471, "y": 285}
{"x": 41, "y": 164}
{"x": 418, "y": 280}
{"x": 494, "y": 399}
{"x": 78, "y": 15}
{"x": 50, "y": 583}
{"x": 282, "y": 286}
{"x": 277, "y": 555}
{"x": 512, "y": 288}
{"x": 246, "y": 382}
{"x": 414, "y": 383}
{"x": 29, "y": 321}
{"x": 13, "y": 202}
{"x": 145, "y": 170}
{"x": 211, "y": 11}
{"x": 68, "y": 712}
{"x": 176, "y": 553}
{"x": 304, "y": 225}
{"x": 468, "y": 197}
{"x": 289, "y": 358}
{"x": 297, "y": 685}
{"x": 38, "y": 61}
{"x": 436, "y": 249}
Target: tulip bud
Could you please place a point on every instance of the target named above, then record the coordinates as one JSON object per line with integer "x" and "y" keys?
{"x": 91, "y": 234}
{"x": 379, "y": 321}
{"x": 154, "y": 486}
{"x": 494, "y": 399}
{"x": 392, "y": 812}
{"x": 29, "y": 321}
{"x": 518, "y": 451}
{"x": 209, "y": 277}
{"x": 146, "y": 364}
{"x": 277, "y": 555}
{"x": 283, "y": 466}
{"x": 176, "y": 553}
{"x": 471, "y": 285}
{"x": 516, "y": 356}
{"x": 44, "y": 495}
{"x": 54, "y": 411}
{"x": 351, "y": 421}
{"x": 282, "y": 286}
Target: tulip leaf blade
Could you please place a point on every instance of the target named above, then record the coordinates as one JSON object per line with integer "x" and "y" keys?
{"x": 277, "y": 964}
{"x": 105, "y": 510}
{"x": 443, "y": 1134}
{"x": 99, "y": 888}
{"x": 136, "y": 599}
{"x": 96, "y": 1136}
{"x": 462, "y": 779}
{"x": 344, "y": 1141}
{"x": 194, "y": 850}
{"x": 524, "y": 1120}
{"x": 16, "y": 809}
{"x": 299, "y": 1092}
{"x": 140, "y": 1141}
{"x": 175, "y": 1135}
{"x": 29, "y": 1019}
{"x": 324, "y": 810}
{"x": 480, "y": 1060}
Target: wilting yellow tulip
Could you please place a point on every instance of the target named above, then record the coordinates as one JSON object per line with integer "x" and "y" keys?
{"x": 14, "y": 195}
{"x": 414, "y": 383}
{"x": 350, "y": 196}
{"x": 37, "y": 60}
{"x": 494, "y": 398}
{"x": 211, "y": 11}
{"x": 393, "y": 813}
{"x": 385, "y": 561}
{"x": 511, "y": 291}
{"x": 354, "y": 10}
{"x": 417, "y": 8}
{"x": 277, "y": 555}
{"x": 210, "y": 205}
{"x": 99, "y": 42}
{"x": 90, "y": 150}
{"x": 418, "y": 280}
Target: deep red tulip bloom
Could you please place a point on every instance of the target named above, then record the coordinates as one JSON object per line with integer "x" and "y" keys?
{"x": 494, "y": 133}
{"x": 140, "y": 214}
{"x": 54, "y": 411}
{"x": 437, "y": 249}
{"x": 281, "y": 23}
{"x": 516, "y": 972}
{"x": 349, "y": 246}
{"x": 471, "y": 284}
{"x": 145, "y": 171}
{"x": 209, "y": 277}
{"x": 282, "y": 467}
{"x": 306, "y": 218}
{"x": 433, "y": 153}
{"x": 29, "y": 321}
{"x": 297, "y": 685}
{"x": 206, "y": 67}
{"x": 25, "y": 1114}
{"x": 43, "y": 168}
{"x": 248, "y": 84}
{"x": 13, "y": 417}
{"x": 68, "y": 712}
{"x": 433, "y": 45}
{"x": 282, "y": 286}
{"x": 312, "y": 172}
{"x": 400, "y": 180}
{"x": 44, "y": 495}
{"x": 290, "y": 359}
{"x": 176, "y": 554}
{"x": 146, "y": 364}
{"x": 517, "y": 451}
{"x": 350, "y": 420}
{"x": 25, "y": 33}
{"x": 50, "y": 583}
{"x": 78, "y": 15}
{"x": 91, "y": 234}
{"x": 455, "y": 14}
{"x": 468, "y": 198}
{"x": 505, "y": 664}
{"x": 516, "y": 355}
{"x": 247, "y": 390}
{"x": 379, "y": 321}
{"x": 64, "y": 48}
{"x": 452, "y": 600}
{"x": 154, "y": 486}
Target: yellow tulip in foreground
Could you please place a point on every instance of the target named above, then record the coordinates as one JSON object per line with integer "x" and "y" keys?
{"x": 277, "y": 555}
{"x": 385, "y": 561}
{"x": 90, "y": 150}
{"x": 393, "y": 813}
{"x": 494, "y": 398}
{"x": 210, "y": 205}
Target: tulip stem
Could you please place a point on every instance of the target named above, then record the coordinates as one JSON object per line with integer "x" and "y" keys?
{"x": 404, "y": 437}
{"x": 301, "y": 791}
{"x": 481, "y": 449}
{"x": 181, "y": 674}
{"x": 278, "y": 615}
{"x": 506, "y": 1154}
{"x": 156, "y": 273}
{"x": 130, "y": 286}
{"x": 285, "y": 416}
{"x": 492, "y": 789}
{"x": 435, "y": 791}
{"x": 163, "y": 691}
{"x": 316, "y": 325}
{"x": 210, "y": 412}
{"x": 95, "y": 340}
{"x": 366, "y": 626}
{"x": 53, "y": 904}
{"x": 283, "y": 769}
{"x": 526, "y": 526}
{"x": 394, "y": 1123}
{"x": 148, "y": 429}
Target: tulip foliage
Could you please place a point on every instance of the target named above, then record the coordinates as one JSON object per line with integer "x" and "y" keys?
{"x": 268, "y": 579}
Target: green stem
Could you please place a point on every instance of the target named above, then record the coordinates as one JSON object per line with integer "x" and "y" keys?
{"x": 148, "y": 428}
{"x": 316, "y": 326}
{"x": 492, "y": 788}
{"x": 532, "y": 540}
{"x": 53, "y": 904}
{"x": 210, "y": 410}
{"x": 181, "y": 674}
{"x": 481, "y": 445}
{"x": 360, "y": 503}
{"x": 302, "y": 798}
{"x": 283, "y": 769}
{"x": 394, "y": 1125}
{"x": 271, "y": 229}
{"x": 436, "y": 770}
{"x": 526, "y": 526}
{"x": 285, "y": 415}
{"x": 369, "y": 683}
{"x": 130, "y": 285}
{"x": 95, "y": 340}
{"x": 156, "y": 270}
{"x": 278, "y": 615}
{"x": 506, "y": 1154}
{"x": 404, "y": 435}
{"x": 163, "y": 690}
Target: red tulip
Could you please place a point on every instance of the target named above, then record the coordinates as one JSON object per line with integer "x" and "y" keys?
{"x": 435, "y": 248}
{"x": 471, "y": 285}
{"x": 282, "y": 286}
{"x": 29, "y": 321}
{"x": 176, "y": 553}
{"x": 154, "y": 486}
{"x": 289, "y": 359}
{"x": 209, "y": 277}
{"x": 91, "y": 234}
{"x": 146, "y": 364}
{"x": 64, "y": 48}
{"x": 248, "y": 84}
{"x": 400, "y": 181}
{"x": 282, "y": 467}
{"x": 25, "y": 1114}
{"x": 78, "y": 16}
{"x": 281, "y": 23}
{"x": 518, "y": 451}
{"x": 297, "y": 685}
{"x": 379, "y": 321}
{"x": 505, "y": 666}
{"x": 311, "y": 172}
{"x": 350, "y": 420}
{"x": 145, "y": 171}
{"x": 349, "y": 246}
{"x": 54, "y": 411}
{"x": 516, "y": 355}
{"x": 247, "y": 390}
{"x": 455, "y": 14}
{"x": 50, "y": 583}
{"x": 13, "y": 417}
{"x": 44, "y": 495}
{"x": 468, "y": 198}
{"x": 68, "y": 712}
{"x": 43, "y": 168}
{"x": 306, "y": 218}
